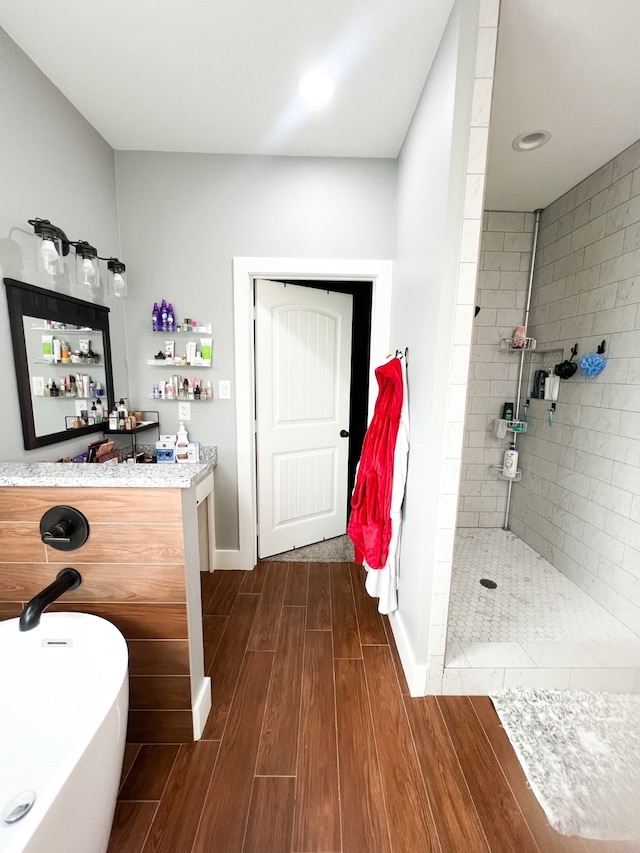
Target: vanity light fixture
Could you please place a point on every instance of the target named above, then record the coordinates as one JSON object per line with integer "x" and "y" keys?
{"x": 86, "y": 265}
{"x": 117, "y": 278}
{"x": 52, "y": 244}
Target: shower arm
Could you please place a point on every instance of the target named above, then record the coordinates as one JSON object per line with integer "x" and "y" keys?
{"x": 534, "y": 247}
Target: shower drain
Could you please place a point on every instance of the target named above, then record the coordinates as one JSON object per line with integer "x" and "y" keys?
{"x": 489, "y": 584}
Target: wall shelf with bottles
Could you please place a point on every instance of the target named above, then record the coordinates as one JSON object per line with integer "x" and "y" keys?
{"x": 181, "y": 399}
{"x": 178, "y": 362}
{"x": 201, "y": 329}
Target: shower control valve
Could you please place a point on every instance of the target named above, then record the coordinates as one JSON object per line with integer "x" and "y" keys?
{"x": 64, "y": 528}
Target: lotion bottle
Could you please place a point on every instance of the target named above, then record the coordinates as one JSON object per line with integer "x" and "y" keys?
{"x": 182, "y": 445}
{"x": 510, "y": 463}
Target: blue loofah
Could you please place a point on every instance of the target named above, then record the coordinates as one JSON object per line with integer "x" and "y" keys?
{"x": 592, "y": 364}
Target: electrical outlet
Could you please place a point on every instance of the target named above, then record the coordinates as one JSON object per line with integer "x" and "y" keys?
{"x": 224, "y": 389}
{"x": 184, "y": 411}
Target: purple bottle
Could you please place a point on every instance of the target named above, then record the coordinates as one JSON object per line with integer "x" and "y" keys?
{"x": 155, "y": 318}
{"x": 171, "y": 320}
{"x": 163, "y": 316}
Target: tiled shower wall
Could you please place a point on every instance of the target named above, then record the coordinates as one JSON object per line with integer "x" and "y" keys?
{"x": 578, "y": 503}
{"x": 505, "y": 258}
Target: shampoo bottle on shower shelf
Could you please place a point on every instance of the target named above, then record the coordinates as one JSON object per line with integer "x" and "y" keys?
{"x": 510, "y": 463}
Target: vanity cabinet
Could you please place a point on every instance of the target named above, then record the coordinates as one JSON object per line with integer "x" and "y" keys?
{"x": 140, "y": 569}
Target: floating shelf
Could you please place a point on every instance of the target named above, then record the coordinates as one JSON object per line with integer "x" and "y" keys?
{"x": 172, "y": 362}
{"x": 181, "y": 399}
{"x": 508, "y": 479}
{"x": 204, "y": 329}
{"x": 506, "y": 345}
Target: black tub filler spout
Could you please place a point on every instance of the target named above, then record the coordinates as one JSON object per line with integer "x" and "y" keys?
{"x": 65, "y": 580}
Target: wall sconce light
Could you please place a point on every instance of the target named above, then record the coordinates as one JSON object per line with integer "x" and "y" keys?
{"x": 117, "y": 278}
{"x": 86, "y": 264}
{"x": 51, "y": 246}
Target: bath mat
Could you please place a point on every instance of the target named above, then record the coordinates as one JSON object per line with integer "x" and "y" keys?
{"x": 581, "y": 756}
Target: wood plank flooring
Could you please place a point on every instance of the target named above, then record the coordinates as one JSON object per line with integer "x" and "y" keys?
{"x": 313, "y": 744}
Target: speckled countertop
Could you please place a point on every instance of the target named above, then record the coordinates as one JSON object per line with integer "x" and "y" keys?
{"x": 163, "y": 476}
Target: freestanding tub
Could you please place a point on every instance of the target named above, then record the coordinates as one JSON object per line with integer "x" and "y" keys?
{"x": 63, "y": 721}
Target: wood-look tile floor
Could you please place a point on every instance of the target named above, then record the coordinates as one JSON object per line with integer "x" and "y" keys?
{"x": 313, "y": 743}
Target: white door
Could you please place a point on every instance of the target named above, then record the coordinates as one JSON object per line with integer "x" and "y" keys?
{"x": 303, "y": 365}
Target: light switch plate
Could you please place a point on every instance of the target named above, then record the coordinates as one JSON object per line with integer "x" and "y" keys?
{"x": 184, "y": 411}
{"x": 224, "y": 389}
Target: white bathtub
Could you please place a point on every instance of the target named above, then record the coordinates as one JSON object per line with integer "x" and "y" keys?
{"x": 63, "y": 717}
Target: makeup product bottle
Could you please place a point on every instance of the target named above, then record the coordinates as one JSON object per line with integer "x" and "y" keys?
{"x": 171, "y": 319}
{"x": 155, "y": 318}
{"x": 163, "y": 316}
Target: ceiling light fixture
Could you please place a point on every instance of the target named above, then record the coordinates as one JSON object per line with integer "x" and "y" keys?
{"x": 316, "y": 88}
{"x": 530, "y": 140}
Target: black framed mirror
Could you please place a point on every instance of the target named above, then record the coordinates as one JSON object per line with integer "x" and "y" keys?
{"x": 62, "y": 357}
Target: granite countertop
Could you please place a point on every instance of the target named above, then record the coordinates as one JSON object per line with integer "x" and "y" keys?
{"x": 162, "y": 476}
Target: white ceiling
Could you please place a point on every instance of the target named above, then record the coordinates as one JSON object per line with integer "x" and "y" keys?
{"x": 221, "y": 75}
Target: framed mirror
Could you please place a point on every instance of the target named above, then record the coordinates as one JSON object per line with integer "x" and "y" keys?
{"x": 62, "y": 356}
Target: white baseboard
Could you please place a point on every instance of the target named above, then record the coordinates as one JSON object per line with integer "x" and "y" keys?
{"x": 415, "y": 673}
{"x": 201, "y": 709}
{"x": 230, "y": 559}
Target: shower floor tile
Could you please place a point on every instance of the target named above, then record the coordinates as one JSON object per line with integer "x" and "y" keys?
{"x": 532, "y": 602}
{"x": 534, "y": 629}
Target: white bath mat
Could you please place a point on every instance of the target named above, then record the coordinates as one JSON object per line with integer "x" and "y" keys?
{"x": 581, "y": 755}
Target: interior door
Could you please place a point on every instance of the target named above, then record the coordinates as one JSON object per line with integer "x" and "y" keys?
{"x": 303, "y": 363}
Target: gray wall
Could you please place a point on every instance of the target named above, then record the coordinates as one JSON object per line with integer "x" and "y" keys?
{"x": 54, "y": 165}
{"x": 183, "y": 219}
{"x": 578, "y": 503}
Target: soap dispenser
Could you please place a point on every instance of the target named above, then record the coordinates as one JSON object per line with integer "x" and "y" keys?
{"x": 182, "y": 445}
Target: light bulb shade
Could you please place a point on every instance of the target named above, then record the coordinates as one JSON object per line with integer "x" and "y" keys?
{"x": 51, "y": 245}
{"x": 87, "y": 270}
{"x": 117, "y": 278}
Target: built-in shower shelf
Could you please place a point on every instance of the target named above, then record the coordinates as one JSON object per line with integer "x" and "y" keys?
{"x": 506, "y": 344}
{"x": 498, "y": 468}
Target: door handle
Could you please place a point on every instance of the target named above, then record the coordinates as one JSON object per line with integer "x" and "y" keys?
{"x": 344, "y": 433}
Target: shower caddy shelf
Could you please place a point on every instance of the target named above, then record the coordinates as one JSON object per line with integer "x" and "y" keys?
{"x": 511, "y": 479}
{"x": 506, "y": 345}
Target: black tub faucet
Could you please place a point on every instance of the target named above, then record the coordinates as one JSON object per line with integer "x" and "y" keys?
{"x": 65, "y": 580}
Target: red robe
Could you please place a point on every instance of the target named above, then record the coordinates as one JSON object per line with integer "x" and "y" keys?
{"x": 370, "y": 522}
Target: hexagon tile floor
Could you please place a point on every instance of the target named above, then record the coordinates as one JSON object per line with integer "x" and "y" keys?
{"x": 536, "y": 628}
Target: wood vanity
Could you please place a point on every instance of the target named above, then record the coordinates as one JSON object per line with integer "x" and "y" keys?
{"x": 151, "y": 534}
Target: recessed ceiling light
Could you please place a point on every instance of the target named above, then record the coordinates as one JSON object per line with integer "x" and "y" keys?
{"x": 531, "y": 139}
{"x": 316, "y": 87}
